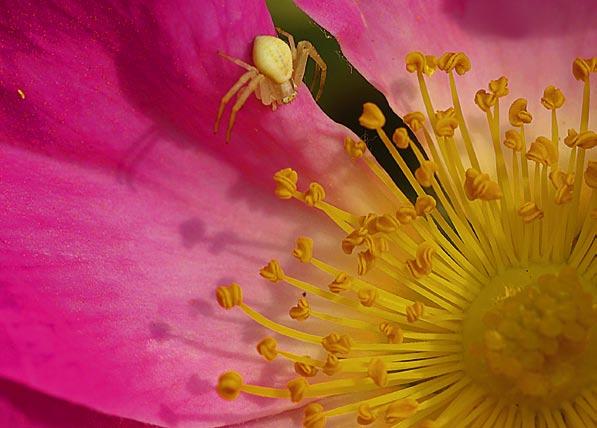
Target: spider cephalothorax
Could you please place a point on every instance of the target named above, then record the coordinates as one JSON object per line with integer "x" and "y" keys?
{"x": 275, "y": 76}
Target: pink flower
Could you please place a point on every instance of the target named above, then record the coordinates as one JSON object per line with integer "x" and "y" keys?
{"x": 123, "y": 212}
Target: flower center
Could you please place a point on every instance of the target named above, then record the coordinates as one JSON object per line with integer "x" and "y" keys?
{"x": 528, "y": 335}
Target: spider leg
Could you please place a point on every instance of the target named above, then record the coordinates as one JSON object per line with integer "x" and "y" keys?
{"x": 323, "y": 68}
{"x": 233, "y": 90}
{"x": 237, "y": 61}
{"x": 316, "y": 77}
{"x": 240, "y": 101}
{"x": 306, "y": 50}
{"x": 290, "y": 41}
{"x": 300, "y": 63}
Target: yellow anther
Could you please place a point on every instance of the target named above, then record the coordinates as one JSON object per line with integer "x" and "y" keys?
{"x": 513, "y": 140}
{"x": 561, "y": 178}
{"x": 498, "y": 364}
{"x": 272, "y": 271}
{"x": 530, "y": 319}
{"x": 485, "y": 100}
{"x": 378, "y": 372}
{"x": 229, "y": 296}
{"x": 566, "y": 312}
{"x": 336, "y": 343}
{"x": 584, "y": 140}
{"x": 454, "y": 61}
{"x": 331, "y": 365}
{"x": 492, "y": 318}
{"x": 315, "y": 194}
{"x": 229, "y": 385}
{"x": 414, "y": 312}
{"x": 445, "y": 122}
{"x": 424, "y": 174}
{"x": 582, "y": 67}
{"x": 529, "y": 211}
{"x": 499, "y": 87}
{"x": 421, "y": 265}
{"x": 424, "y": 205}
{"x": 510, "y": 329}
{"x": 553, "y": 98}
{"x": 355, "y": 149}
{"x": 591, "y": 175}
{"x": 367, "y": 296}
{"x": 406, "y": 214}
{"x": 304, "y": 369}
{"x": 372, "y": 117}
{"x": 285, "y": 180}
{"x": 542, "y": 151}
{"x": 301, "y": 311}
{"x": 267, "y": 348}
{"x": 533, "y": 384}
{"x": 303, "y": 249}
{"x": 400, "y": 410}
{"x": 414, "y": 120}
{"x": 518, "y": 113}
{"x": 297, "y": 388}
{"x": 563, "y": 195}
{"x": 427, "y": 423}
{"x": 574, "y": 332}
{"x": 401, "y": 138}
{"x": 392, "y": 332}
{"x": 568, "y": 276}
{"x": 354, "y": 239}
{"x": 494, "y": 340}
{"x": 342, "y": 282}
{"x": 365, "y": 262}
{"x": 377, "y": 245}
{"x": 417, "y": 62}
{"x": 564, "y": 185}
{"x": 550, "y": 326}
{"x": 365, "y": 416}
{"x": 549, "y": 346}
{"x": 314, "y": 417}
{"x": 384, "y": 223}
{"x": 479, "y": 186}
{"x": 511, "y": 367}
{"x": 367, "y": 220}
{"x": 545, "y": 303}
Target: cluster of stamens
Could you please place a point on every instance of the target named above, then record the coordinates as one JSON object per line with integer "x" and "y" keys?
{"x": 401, "y": 341}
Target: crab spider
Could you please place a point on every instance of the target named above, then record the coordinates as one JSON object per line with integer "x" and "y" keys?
{"x": 275, "y": 76}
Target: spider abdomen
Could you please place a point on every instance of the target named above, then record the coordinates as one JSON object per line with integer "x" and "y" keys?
{"x": 272, "y": 57}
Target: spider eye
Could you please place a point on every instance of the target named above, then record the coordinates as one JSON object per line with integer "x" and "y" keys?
{"x": 289, "y": 98}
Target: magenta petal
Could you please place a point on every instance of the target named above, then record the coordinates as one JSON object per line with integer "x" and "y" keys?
{"x": 121, "y": 211}
{"x": 533, "y": 43}
{"x": 21, "y": 407}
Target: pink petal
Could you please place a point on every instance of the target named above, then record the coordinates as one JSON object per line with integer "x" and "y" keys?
{"x": 121, "y": 211}
{"x": 533, "y": 43}
{"x": 21, "y": 407}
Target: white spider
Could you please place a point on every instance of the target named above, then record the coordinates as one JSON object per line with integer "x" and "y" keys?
{"x": 275, "y": 76}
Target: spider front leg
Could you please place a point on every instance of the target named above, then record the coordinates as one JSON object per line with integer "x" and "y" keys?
{"x": 237, "y": 61}
{"x": 304, "y": 51}
{"x": 231, "y": 92}
{"x": 240, "y": 101}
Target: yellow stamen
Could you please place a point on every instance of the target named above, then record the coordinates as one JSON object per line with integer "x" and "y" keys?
{"x": 470, "y": 304}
